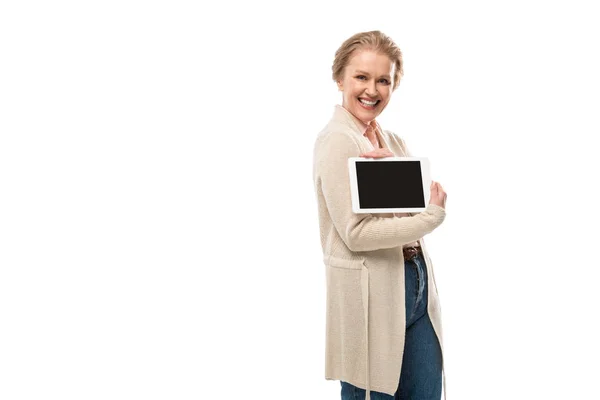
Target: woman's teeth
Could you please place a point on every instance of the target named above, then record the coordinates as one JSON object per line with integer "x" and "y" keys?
{"x": 368, "y": 103}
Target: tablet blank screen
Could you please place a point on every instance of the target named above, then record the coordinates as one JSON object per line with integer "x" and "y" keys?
{"x": 389, "y": 184}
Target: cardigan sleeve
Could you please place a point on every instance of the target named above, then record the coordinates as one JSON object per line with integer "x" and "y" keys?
{"x": 362, "y": 232}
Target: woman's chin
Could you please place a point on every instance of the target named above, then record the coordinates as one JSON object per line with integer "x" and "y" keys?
{"x": 368, "y": 114}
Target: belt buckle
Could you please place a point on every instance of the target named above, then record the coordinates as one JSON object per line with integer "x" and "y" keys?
{"x": 410, "y": 253}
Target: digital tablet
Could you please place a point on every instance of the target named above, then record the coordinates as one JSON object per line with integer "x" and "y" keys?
{"x": 389, "y": 185}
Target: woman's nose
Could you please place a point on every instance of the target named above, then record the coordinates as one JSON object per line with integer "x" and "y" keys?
{"x": 371, "y": 89}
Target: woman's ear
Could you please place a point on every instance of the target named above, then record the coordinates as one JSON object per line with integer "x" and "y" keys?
{"x": 340, "y": 86}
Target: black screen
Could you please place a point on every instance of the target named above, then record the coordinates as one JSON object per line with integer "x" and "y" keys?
{"x": 389, "y": 184}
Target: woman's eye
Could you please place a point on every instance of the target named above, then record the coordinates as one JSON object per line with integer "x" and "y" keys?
{"x": 384, "y": 81}
{"x": 361, "y": 77}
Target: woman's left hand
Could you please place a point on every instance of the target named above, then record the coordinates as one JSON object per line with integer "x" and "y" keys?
{"x": 378, "y": 153}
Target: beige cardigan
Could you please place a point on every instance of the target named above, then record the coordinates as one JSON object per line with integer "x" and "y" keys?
{"x": 364, "y": 265}
{"x": 362, "y": 127}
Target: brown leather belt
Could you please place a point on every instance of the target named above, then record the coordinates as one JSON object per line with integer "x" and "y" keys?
{"x": 411, "y": 252}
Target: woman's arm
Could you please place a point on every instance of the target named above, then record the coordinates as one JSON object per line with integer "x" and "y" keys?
{"x": 363, "y": 232}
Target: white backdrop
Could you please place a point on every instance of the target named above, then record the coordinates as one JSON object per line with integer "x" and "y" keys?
{"x": 159, "y": 236}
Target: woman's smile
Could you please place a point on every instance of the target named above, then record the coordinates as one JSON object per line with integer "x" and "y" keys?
{"x": 368, "y": 104}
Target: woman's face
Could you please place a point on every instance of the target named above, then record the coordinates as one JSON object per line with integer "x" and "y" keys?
{"x": 367, "y": 84}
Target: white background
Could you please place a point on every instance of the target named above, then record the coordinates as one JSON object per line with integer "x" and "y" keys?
{"x": 158, "y": 228}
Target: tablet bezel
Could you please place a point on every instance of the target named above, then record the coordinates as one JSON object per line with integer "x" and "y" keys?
{"x": 425, "y": 175}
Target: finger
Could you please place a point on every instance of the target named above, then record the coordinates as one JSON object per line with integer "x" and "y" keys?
{"x": 381, "y": 155}
{"x": 382, "y": 152}
{"x": 377, "y": 154}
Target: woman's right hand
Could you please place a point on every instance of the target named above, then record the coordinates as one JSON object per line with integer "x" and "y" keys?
{"x": 438, "y": 196}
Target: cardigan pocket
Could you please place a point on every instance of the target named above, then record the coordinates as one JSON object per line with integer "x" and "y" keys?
{"x": 344, "y": 263}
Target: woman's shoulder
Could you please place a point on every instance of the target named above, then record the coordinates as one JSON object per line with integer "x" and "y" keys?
{"x": 339, "y": 125}
{"x": 338, "y": 133}
{"x": 334, "y": 143}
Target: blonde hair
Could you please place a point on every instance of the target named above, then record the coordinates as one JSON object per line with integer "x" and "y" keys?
{"x": 372, "y": 40}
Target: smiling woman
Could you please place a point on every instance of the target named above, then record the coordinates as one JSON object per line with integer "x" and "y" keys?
{"x": 383, "y": 338}
{"x": 367, "y": 84}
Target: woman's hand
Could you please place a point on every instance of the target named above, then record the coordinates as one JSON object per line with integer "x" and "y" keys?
{"x": 438, "y": 196}
{"x": 378, "y": 153}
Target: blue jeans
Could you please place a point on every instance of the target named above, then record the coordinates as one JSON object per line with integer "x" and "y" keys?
{"x": 421, "y": 375}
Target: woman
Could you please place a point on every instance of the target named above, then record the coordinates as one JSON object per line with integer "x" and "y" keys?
{"x": 383, "y": 334}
